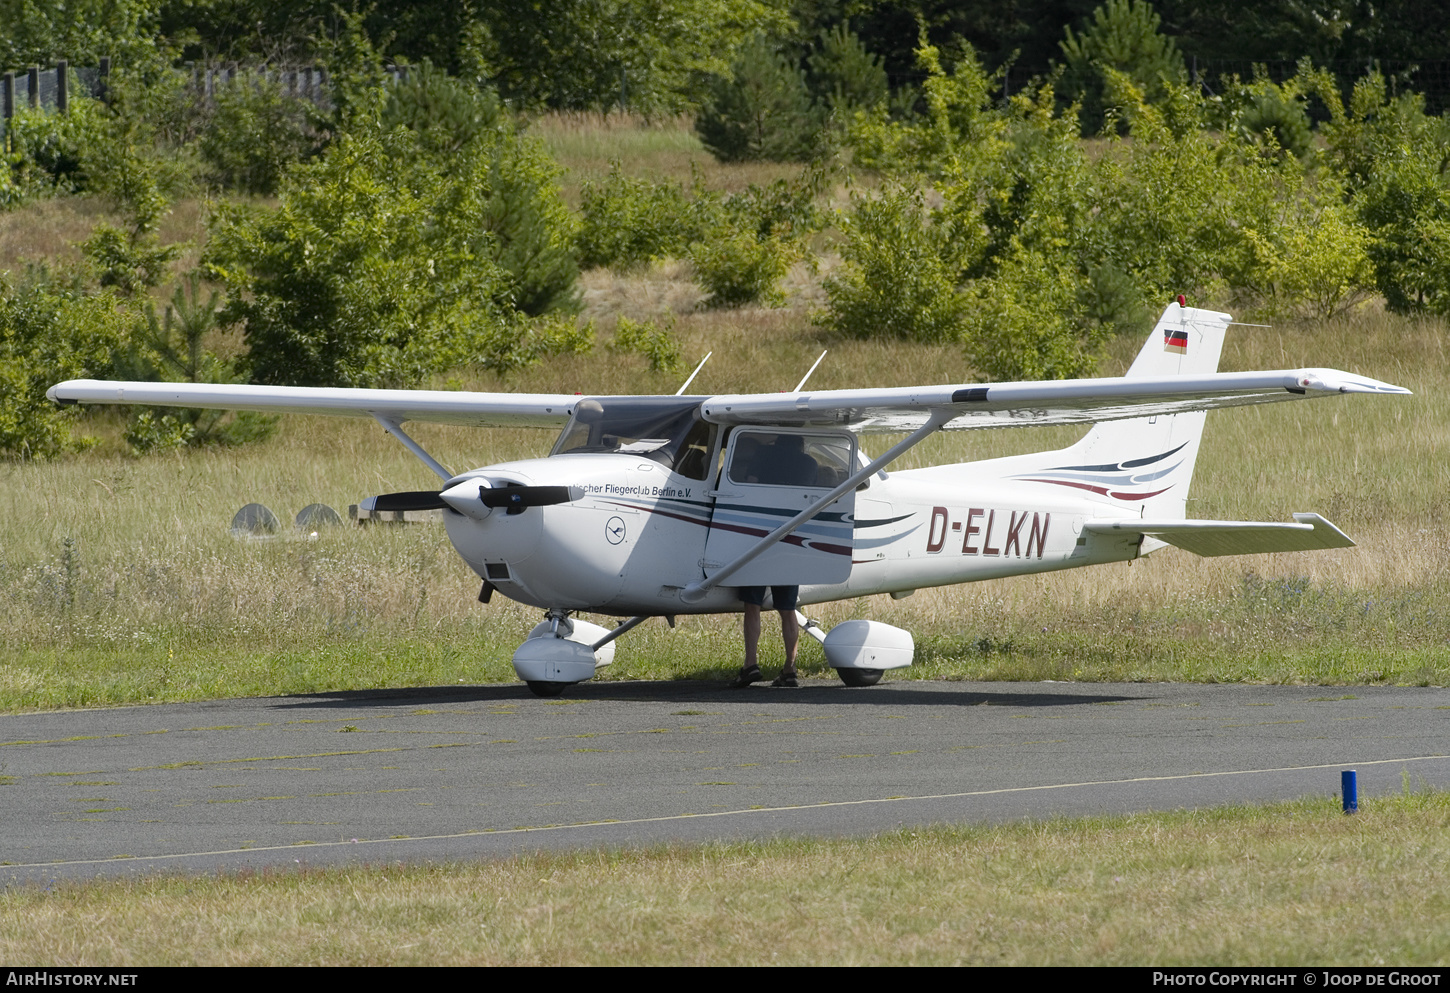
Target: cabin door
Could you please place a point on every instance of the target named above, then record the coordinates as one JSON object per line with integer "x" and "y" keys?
{"x": 769, "y": 476}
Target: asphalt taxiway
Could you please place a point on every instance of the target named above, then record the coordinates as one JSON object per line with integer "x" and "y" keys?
{"x": 469, "y": 772}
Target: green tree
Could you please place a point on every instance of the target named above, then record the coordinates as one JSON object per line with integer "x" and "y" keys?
{"x": 900, "y": 274}
{"x": 762, "y": 110}
{"x": 1396, "y": 159}
{"x": 843, "y": 76}
{"x": 464, "y": 135}
{"x": 173, "y": 348}
{"x": 40, "y": 32}
{"x": 1122, "y": 37}
{"x": 364, "y": 276}
{"x": 255, "y": 133}
{"x": 649, "y": 56}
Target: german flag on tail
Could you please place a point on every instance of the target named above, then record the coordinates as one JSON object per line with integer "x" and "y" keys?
{"x": 1175, "y": 341}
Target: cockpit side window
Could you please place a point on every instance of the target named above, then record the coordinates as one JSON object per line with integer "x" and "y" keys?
{"x": 789, "y": 459}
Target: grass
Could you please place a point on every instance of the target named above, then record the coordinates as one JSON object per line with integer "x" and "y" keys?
{"x": 1289, "y": 884}
{"x": 119, "y": 583}
{"x": 587, "y": 144}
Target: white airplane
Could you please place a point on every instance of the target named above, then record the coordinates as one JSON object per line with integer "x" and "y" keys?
{"x": 654, "y": 506}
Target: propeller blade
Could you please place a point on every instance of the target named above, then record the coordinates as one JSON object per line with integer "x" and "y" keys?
{"x": 415, "y": 500}
{"x": 517, "y": 498}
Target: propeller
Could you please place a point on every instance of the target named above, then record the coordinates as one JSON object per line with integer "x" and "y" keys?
{"x": 475, "y": 497}
{"x": 415, "y": 500}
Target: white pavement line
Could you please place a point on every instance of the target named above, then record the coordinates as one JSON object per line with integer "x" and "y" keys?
{"x": 121, "y": 860}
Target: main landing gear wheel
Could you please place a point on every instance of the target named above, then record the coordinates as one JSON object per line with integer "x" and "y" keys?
{"x": 859, "y": 677}
{"x": 542, "y": 687}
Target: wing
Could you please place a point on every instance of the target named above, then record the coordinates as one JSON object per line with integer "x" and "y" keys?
{"x": 448, "y": 407}
{"x": 1210, "y": 538}
{"x": 1066, "y": 401}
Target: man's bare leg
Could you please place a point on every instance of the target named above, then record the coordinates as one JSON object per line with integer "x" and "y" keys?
{"x": 752, "y": 635}
{"x": 790, "y": 633}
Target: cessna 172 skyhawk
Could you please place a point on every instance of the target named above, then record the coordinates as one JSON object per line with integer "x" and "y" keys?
{"x": 653, "y": 506}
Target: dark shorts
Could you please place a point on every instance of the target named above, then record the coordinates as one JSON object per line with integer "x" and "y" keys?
{"x": 783, "y": 597}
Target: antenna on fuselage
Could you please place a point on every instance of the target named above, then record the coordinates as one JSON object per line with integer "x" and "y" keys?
{"x": 687, "y": 382}
{"x": 812, "y": 369}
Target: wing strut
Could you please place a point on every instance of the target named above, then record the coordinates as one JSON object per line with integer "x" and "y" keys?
{"x": 396, "y": 431}
{"x": 695, "y": 592}
{"x": 620, "y": 629}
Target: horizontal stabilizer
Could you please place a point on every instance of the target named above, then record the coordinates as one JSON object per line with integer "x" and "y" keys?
{"x": 1210, "y": 538}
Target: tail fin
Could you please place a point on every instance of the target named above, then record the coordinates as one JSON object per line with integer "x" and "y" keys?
{"x": 1147, "y": 462}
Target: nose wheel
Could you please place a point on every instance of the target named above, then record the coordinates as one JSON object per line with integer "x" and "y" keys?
{"x": 547, "y": 688}
{"x": 859, "y": 677}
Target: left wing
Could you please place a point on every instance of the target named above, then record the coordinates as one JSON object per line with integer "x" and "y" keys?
{"x": 542, "y": 410}
{"x": 1067, "y": 401}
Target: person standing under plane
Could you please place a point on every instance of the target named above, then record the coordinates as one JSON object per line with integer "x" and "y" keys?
{"x": 783, "y": 463}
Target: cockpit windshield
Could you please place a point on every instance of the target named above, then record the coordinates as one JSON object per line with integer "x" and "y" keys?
{"x": 667, "y": 430}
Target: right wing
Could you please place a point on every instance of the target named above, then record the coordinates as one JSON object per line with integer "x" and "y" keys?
{"x": 1026, "y": 404}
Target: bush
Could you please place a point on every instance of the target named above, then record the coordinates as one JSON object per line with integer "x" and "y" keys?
{"x": 49, "y": 148}
{"x": 515, "y": 344}
{"x": 1317, "y": 261}
{"x": 255, "y": 133}
{"x": 737, "y": 268}
{"x": 960, "y": 130}
{"x": 129, "y": 264}
{"x": 1394, "y": 157}
{"x": 900, "y": 273}
{"x": 658, "y": 344}
{"x": 1264, "y": 113}
{"x": 386, "y": 263}
{"x": 1174, "y": 209}
{"x": 630, "y": 221}
{"x": 374, "y": 271}
{"x": 50, "y": 330}
{"x": 1026, "y": 321}
{"x": 756, "y": 238}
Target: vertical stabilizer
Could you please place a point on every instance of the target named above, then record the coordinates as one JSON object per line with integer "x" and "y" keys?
{"x": 1146, "y": 463}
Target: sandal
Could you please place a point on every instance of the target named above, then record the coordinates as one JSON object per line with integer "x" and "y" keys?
{"x": 746, "y": 677}
{"x": 786, "y": 679}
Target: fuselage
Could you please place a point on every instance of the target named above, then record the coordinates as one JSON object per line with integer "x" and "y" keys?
{"x": 640, "y": 532}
